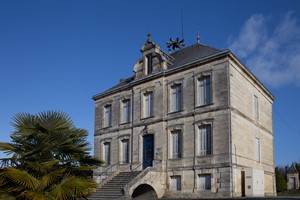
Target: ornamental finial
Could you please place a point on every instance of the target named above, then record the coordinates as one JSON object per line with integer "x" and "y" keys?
{"x": 149, "y": 38}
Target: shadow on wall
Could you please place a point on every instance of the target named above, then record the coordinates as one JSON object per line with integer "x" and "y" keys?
{"x": 144, "y": 192}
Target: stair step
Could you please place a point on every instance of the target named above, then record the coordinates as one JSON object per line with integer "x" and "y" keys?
{"x": 112, "y": 190}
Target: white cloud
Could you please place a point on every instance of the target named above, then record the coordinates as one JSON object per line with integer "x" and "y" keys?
{"x": 272, "y": 54}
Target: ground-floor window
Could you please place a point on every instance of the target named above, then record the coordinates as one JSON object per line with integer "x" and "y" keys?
{"x": 175, "y": 184}
{"x": 107, "y": 153}
{"x": 205, "y": 182}
{"x": 125, "y": 151}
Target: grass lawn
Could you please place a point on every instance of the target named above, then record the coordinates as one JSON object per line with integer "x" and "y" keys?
{"x": 289, "y": 193}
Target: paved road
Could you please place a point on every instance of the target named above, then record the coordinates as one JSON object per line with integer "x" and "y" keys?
{"x": 248, "y": 198}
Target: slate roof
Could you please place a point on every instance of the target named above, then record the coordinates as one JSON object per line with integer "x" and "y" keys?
{"x": 192, "y": 53}
{"x": 182, "y": 57}
{"x": 292, "y": 169}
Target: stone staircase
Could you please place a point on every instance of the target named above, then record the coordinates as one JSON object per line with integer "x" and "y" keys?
{"x": 113, "y": 189}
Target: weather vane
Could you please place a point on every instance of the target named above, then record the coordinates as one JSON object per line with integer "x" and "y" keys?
{"x": 175, "y": 44}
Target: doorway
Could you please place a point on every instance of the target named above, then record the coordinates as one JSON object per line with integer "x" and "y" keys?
{"x": 148, "y": 150}
{"x": 243, "y": 183}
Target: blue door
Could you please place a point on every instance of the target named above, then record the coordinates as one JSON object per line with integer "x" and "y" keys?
{"x": 148, "y": 150}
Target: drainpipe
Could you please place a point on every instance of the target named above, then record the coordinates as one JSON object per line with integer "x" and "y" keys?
{"x": 230, "y": 133}
{"x": 132, "y": 115}
{"x": 195, "y": 130}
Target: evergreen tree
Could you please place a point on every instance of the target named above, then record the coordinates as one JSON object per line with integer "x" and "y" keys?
{"x": 281, "y": 182}
{"x": 49, "y": 159}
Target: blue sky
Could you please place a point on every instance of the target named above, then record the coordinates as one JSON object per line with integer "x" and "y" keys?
{"x": 55, "y": 55}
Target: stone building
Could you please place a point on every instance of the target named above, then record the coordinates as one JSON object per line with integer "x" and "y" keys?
{"x": 292, "y": 176}
{"x": 194, "y": 123}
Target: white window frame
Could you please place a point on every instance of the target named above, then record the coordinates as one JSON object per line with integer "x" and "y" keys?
{"x": 107, "y": 115}
{"x": 125, "y": 150}
{"x": 107, "y": 153}
{"x": 175, "y": 183}
{"x": 176, "y": 144}
{"x": 205, "y": 139}
{"x": 205, "y": 182}
{"x": 126, "y": 111}
{"x": 257, "y": 149}
{"x": 176, "y": 97}
{"x": 255, "y": 107}
{"x": 149, "y": 64}
{"x": 204, "y": 90}
{"x": 147, "y": 104}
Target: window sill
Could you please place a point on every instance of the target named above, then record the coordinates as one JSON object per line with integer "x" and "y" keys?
{"x": 174, "y": 112}
{"x": 205, "y": 191}
{"x": 204, "y": 156}
{"x": 144, "y": 118}
{"x": 175, "y": 158}
{"x": 201, "y": 106}
{"x": 124, "y": 163}
{"x": 124, "y": 123}
{"x": 107, "y": 127}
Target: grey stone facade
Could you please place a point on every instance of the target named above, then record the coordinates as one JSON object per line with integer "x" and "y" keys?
{"x": 219, "y": 135}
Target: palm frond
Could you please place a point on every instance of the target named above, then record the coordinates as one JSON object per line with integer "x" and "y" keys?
{"x": 54, "y": 120}
{"x": 4, "y": 146}
{"x": 6, "y": 196}
{"x": 24, "y": 123}
{"x": 42, "y": 167}
{"x": 52, "y": 178}
{"x": 74, "y": 187}
{"x": 21, "y": 178}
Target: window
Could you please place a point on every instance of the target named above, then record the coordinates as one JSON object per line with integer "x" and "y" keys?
{"x": 176, "y": 98}
{"x": 107, "y": 153}
{"x": 149, "y": 64}
{"x": 205, "y": 139}
{"x": 204, "y": 91}
{"x": 125, "y": 151}
{"x": 126, "y": 111}
{"x": 176, "y": 144}
{"x": 205, "y": 182}
{"x": 148, "y": 104}
{"x": 257, "y": 149}
{"x": 107, "y": 116}
{"x": 175, "y": 183}
{"x": 255, "y": 105}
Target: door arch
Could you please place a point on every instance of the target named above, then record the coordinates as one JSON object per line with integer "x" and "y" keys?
{"x": 143, "y": 192}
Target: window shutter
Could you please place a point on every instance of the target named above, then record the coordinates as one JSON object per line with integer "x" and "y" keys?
{"x": 175, "y": 145}
{"x": 107, "y": 153}
{"x": 128, "y": 110}
{"x": 179, "y": 98}
{"x": 125, "y": 144}
{"x": 207, "y": 90}
{"x": 208, "y": 135}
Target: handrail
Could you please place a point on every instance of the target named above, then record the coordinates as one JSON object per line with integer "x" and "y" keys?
{"x": 125, "y": 188}
{"x": 106, "y": 170}
{"x": 137, "y": 167}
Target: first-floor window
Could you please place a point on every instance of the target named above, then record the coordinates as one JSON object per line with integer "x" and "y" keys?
{"x": 255, "y": 107}
{"x": 257, "y": 149}
{"x": 107, "y": 153}
{"x": 125, "y": 151}
{"x": 107, "y": 116}
{"x": 176, "y": 144}
{"x": 205, "y": 181}
{"x": 204, "y": 91}
{"x": 148, "y": 104}
{"x": 175, "y": 183}
{"x": 176, "y": 98}
{"x": 205, "y": 139}
{"x": 126, "y": 111}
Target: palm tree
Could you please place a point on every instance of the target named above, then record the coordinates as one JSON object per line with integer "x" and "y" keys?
{"x": 49, "y": 159}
